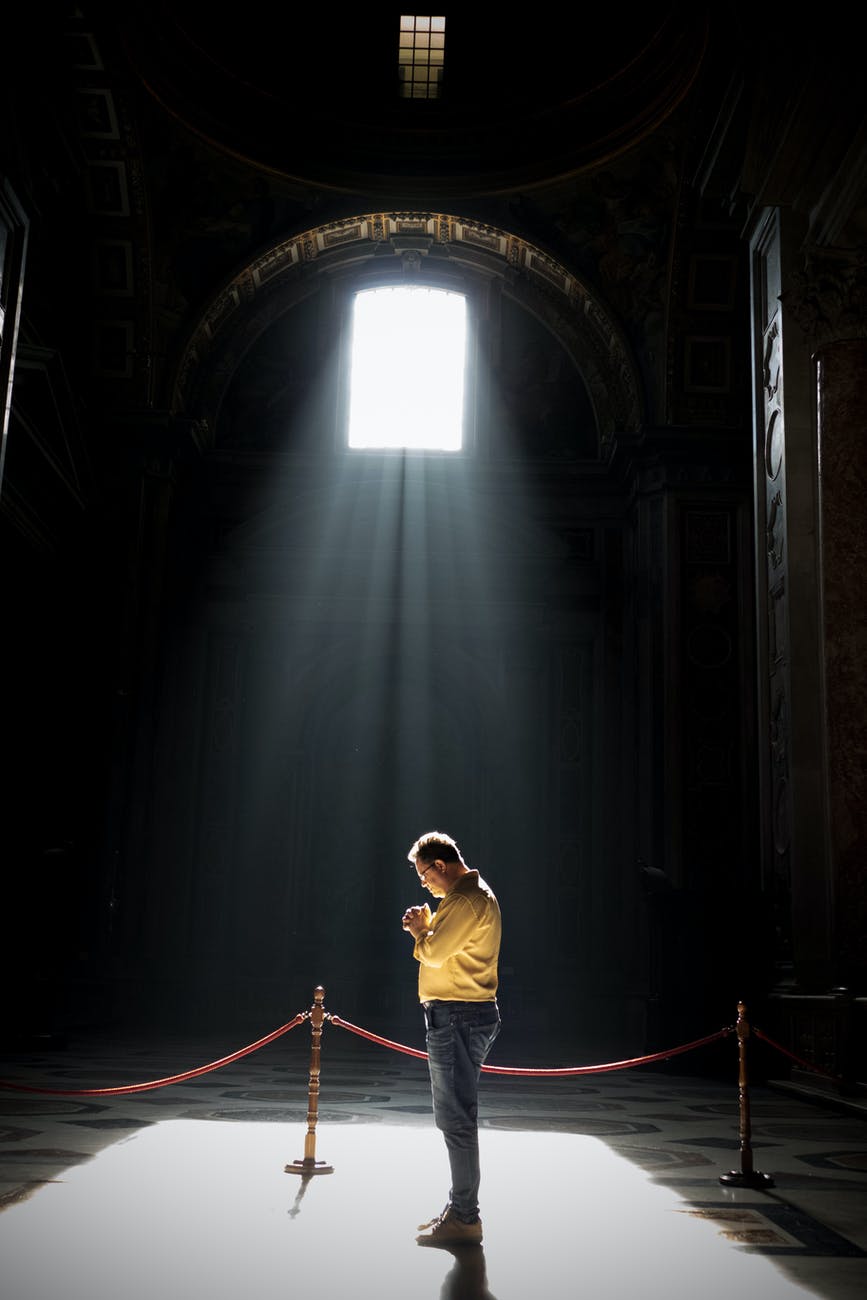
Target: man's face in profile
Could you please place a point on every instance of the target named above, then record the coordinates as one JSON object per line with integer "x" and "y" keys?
{"x": 432, "y": 877}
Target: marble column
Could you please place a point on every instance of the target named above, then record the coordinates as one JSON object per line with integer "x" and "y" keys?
{"x": 841, "y": 380}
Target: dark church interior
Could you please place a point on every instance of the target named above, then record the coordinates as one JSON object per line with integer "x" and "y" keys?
{"x": 613, "y": 642}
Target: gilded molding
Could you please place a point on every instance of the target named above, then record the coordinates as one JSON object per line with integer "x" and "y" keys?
{"x": 583, "y": 322}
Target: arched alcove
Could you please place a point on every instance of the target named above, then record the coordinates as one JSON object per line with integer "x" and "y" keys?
{"x": 585, "y": 356}
{"x": 365, "y": 644}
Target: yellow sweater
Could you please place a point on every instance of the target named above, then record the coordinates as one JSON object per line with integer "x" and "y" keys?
{"x": 457, "y": 955}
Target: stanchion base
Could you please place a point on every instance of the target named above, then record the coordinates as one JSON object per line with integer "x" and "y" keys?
{"x": 309, "y": 1167}
{"x": 737, "y": 1178}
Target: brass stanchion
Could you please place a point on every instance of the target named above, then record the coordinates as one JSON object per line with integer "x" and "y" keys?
{"x": 309, "y": 1164}
{"x": 746, "y": 1176}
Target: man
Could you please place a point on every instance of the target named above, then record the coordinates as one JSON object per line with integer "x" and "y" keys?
{"x": 457, "y": 947}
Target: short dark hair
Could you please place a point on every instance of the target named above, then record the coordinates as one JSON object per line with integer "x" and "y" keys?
{"x": 432, "y": 845}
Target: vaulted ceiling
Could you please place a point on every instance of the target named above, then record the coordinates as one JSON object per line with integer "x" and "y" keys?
{"x": 523, "y": 100}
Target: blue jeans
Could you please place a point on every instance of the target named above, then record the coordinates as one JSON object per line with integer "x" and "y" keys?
{"x": 459, "y": 1037}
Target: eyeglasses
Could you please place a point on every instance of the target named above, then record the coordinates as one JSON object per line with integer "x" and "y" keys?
{"x": 431, "y": 867}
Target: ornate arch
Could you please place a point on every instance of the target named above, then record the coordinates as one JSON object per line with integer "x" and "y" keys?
{"x": 263, "y": 289}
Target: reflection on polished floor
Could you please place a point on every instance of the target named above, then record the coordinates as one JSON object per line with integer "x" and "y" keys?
{"x": 600, "y": 1185}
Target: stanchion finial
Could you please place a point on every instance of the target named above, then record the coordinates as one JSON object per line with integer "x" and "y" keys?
{"x": 309, "y": 1164}
{"x": 746, "y": 1176}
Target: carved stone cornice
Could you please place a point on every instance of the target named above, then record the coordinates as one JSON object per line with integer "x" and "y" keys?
{"x": 827, "y": 295}
{"x": 259, "y": 292}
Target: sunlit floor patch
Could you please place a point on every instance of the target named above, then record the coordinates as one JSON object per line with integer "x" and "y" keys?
{"x": 191, "y": 1208}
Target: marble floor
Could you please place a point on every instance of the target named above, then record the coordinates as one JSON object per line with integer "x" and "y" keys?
{"x": 595, "y": 1186}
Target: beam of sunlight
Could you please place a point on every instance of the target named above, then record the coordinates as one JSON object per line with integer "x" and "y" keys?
{"x": 407, "y": 369}
{"x": 384, "y": 624}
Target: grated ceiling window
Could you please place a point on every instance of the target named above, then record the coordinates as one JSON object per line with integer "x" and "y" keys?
{"x": 420, "y": 59}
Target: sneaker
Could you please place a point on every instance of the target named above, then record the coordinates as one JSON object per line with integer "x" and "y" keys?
{"x": 447, "y": 1230}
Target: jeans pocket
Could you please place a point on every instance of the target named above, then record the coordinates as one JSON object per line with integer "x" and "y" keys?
{"x": 439, "y": 1039}
{"x": 482, "y": 1040}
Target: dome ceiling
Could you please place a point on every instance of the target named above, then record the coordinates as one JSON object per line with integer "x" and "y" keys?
{"x": 318, "y": 100}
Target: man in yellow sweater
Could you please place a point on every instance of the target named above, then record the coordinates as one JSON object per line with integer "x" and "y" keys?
{"x": 456, "y": 947}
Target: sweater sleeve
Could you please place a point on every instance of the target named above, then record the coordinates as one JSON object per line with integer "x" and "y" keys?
{"x": 452, "y": 925}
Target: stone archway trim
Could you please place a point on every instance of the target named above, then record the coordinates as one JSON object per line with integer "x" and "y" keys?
{"x": 575, "y": 312}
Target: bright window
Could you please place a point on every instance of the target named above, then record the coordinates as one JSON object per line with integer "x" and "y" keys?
{"x": 407, "y": 369}
{"x": 420, "y": 55}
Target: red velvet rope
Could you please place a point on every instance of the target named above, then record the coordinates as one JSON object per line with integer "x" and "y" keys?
{"x": 563, "y": 1072}
{"x": 515, "y": 1071}
{"x": 161, "y": 1083}
{"x": 614, "y": 1065}
{"x": 375, "y": 1038}
{"x": 799, "y": 1060}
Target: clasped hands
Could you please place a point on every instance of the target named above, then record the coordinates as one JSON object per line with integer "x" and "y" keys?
{"x": 417, "y": 920}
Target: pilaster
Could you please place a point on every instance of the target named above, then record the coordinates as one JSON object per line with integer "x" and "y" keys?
{"x": 841, "y": 386}
{"x": 793, "y": 792}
